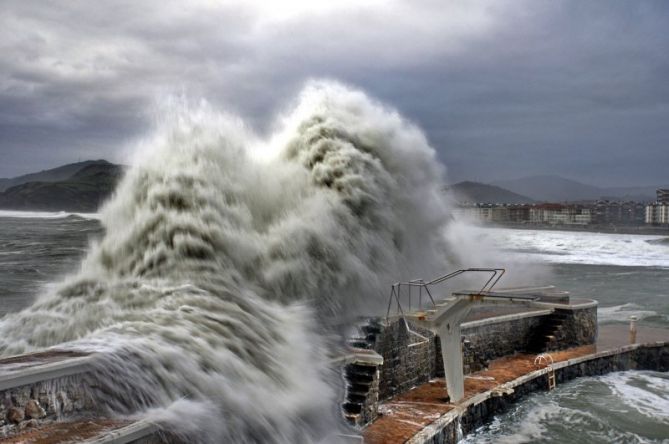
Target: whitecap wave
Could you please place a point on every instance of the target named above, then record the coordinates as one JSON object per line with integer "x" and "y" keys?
{"x": 622, "y": 313}
{"x": 574, "y": 247}
{"x": 645, "y": 392}
{"x": 14, "y": 214}
{"x": 628, "y": 407}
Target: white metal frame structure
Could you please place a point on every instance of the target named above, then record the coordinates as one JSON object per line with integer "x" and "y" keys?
{"x": 444, "y": 317}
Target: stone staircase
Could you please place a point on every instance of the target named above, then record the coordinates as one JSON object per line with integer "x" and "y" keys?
{"x": 362, "y": 375}
{"x": 545, "y": 337}
{"x": 365, "y": 336}
{"x": 362, "y": 392}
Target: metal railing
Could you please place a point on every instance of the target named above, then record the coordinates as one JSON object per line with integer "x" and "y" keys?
{"x": 396, "y": 289}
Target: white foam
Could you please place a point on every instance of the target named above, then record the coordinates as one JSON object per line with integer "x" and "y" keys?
{"x": 530, "y": 429}
{"x": 576, "y": 247}
{"x": 581, "y": 409}
{"x": 622, "y": 313}
{"x": 45, "y": 214}
{"x": 644, "y": 392}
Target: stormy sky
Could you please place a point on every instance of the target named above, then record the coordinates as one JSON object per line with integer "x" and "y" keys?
{"x": 503, "y": 89}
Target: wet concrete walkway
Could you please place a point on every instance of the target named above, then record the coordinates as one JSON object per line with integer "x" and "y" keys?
{"x": 65, "y": 432}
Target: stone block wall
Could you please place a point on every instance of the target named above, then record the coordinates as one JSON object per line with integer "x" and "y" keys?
{"x": 579, "y": 327}
{"x": 490, "y": 339}
{"x": 409, "y": 359}
{"x": 362, "y": 393}
{"x": 46, "y": 401}
{"x": 413, "y": 359}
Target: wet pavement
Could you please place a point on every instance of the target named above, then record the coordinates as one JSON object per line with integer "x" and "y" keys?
{"x": 65, "y": 432}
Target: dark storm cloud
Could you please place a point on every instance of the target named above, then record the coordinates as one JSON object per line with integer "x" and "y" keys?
{"x": 503, "y": 89}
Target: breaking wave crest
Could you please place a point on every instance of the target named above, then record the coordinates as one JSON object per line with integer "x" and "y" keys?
{"x": 227, "y": 262}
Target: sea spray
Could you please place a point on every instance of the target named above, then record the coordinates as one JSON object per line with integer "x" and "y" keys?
{"x": 213, "y": 294}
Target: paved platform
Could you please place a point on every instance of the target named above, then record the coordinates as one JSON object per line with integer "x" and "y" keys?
{"x": 612, "y": 336}
{"x": 66, "y": 431}
{"x": 408, "y": 413}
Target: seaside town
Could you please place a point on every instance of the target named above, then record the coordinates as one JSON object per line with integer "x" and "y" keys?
{"x": 577, "y": 214}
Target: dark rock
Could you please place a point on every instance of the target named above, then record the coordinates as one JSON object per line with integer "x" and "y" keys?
{"x": 15, "y": 415}
{"x": 33, "y": 410}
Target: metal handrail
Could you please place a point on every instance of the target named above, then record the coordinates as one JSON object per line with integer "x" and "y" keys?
{"x": 396, "y": 288}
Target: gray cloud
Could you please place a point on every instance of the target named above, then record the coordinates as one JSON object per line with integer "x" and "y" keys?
{"x": 502, "y": 88}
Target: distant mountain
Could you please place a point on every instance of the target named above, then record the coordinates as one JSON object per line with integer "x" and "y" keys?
{"x": 84, "y": 189}
{"x": 634, "y": 193}
{"x": 53, "y": 175}
{"x": 551, "y": 188}
{"x": 559, "y": 189}
{"x": 480, "y": 192}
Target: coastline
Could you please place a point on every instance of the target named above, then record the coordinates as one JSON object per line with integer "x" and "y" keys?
{"x": 608, "y": 229}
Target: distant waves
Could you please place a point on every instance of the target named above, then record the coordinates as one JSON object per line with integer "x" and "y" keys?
{"x": 46, "y": 214}
{"x": 575, "y": 247}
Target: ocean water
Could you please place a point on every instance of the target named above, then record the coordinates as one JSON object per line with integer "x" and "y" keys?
{"x": 624, "y": 407}
{"x": 37, "y": 249}
{"x": 627, "y": 274}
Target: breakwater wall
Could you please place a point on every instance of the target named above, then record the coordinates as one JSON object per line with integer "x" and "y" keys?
{"x": 35, "y": 389}
{"x": 412, "y": 355}
{"x": 50, "y": 395}
{"x": 479, "y": 409}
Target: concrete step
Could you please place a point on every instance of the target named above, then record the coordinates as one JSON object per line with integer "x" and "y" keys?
{"x": 358, "y": 343}
{"x": 352, "y": 418}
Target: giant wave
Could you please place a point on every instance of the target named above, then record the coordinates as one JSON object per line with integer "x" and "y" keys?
{"x": 228, "y": 262}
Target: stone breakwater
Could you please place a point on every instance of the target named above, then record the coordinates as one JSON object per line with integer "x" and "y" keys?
{"x": 32, "y": 405}
{"x": 48, "y": 397}
{"x": 412, "y": 356}
{"x": 42, "y": 388}
{"x": 477, "y": 410}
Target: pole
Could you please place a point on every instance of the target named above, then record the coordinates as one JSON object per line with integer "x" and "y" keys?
{"x": 633, "y": 329}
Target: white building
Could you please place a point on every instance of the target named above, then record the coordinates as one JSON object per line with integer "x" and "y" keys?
{"x": 657, "y": 214}
{"x": 558, "y": 214}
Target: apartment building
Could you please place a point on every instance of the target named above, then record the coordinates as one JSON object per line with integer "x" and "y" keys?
{"x": 658, "y": 213}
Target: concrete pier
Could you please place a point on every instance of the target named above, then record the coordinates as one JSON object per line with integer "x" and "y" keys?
{"x": 424, "y": 415}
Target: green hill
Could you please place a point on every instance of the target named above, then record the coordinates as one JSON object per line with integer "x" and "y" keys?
{"x": 52, "y": 175}
{"x": 84, "y": 189}
{"x": 483, "y": 193}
